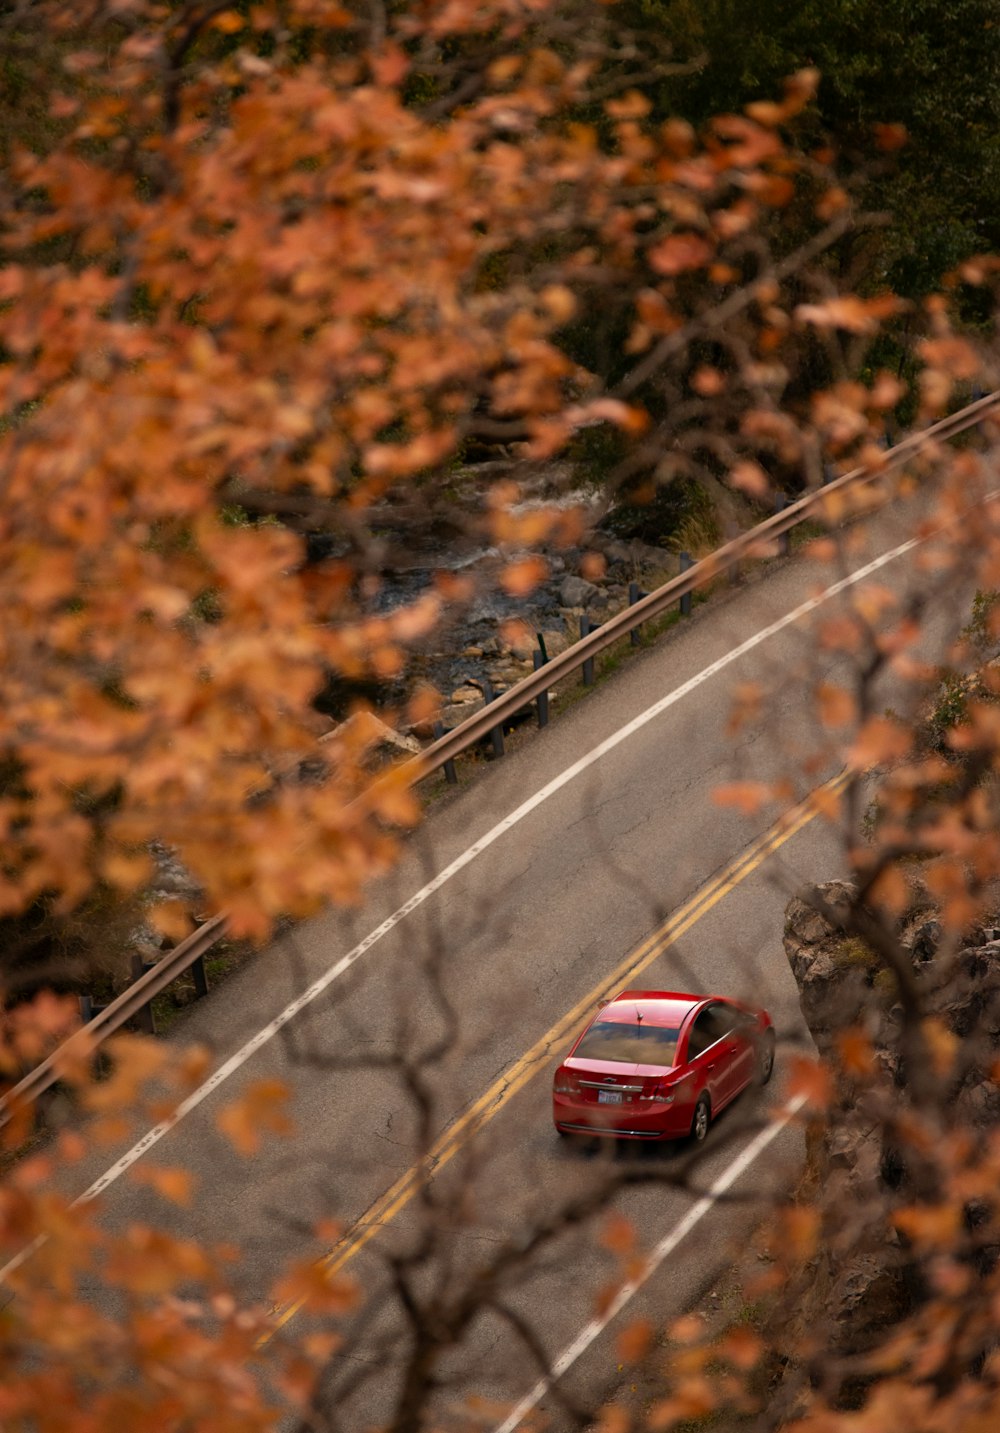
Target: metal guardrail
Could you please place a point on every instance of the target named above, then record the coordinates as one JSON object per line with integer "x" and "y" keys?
{"x": 476, "y": 728}
{"x": 121, "y": 1010}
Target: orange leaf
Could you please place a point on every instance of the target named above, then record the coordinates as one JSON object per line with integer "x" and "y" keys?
{"x": 931, "y": 1226}
{"x": 881, "y": 739}
{"x": 890, "y": 136}
{"x": 618, "y": 1234}
{"x": 708, "y": 381}
{"x": 750, "y": 478}
{"x": 176, "y": 1185}
{"x": 262, "y": 1107}
{"x": 390, "y": 65}
{"x": 747, "y": 796}
{"x": 635, "y": 1340}
{"x": 800, "y": 1227}
{"x": 521, "y": 577}
{"x": 679, "y": 253}
{"x": 742, "y": 1347}
{"x": 891, "y": 891}
{"x": 942, "y": 1045}
{"x": 856, "y": 1053}
{"x": 308, "y": 1284}
{"x": 811, "y": 1079}
{"x": 836, "y": 706}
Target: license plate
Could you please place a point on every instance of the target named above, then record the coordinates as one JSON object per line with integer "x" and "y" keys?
{"x": 610, "y": 1097}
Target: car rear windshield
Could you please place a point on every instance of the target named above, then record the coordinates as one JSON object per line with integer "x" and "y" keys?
{"x": 638, "y": 1044}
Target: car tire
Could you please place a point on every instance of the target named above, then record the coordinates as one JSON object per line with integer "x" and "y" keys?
{"x": 765, "y": 1059}
{"x": 701, "y": 1119}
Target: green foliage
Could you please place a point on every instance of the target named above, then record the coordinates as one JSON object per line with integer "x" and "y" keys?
{"x": 977, "y": 631}
{"x": 677, "y": 515}
{"x": 930, "y": 65}
{"x": 957, "y": 688}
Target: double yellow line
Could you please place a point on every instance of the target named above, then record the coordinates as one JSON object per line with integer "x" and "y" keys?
{"x": 467, "y": 1126}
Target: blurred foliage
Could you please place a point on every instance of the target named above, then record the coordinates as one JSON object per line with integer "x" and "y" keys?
{"x": 930, "y": 65}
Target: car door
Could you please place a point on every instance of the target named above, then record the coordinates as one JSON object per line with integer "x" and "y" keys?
{"x": 744, "y": 1054}
{"x": 708, "y": 1054}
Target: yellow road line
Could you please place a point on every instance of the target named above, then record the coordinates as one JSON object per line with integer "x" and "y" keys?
{"x": 457, "y": 1135}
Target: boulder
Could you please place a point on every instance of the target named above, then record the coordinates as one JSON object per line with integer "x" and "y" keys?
{"x": 576, "y": 592}
{"x": 451, "y": 716}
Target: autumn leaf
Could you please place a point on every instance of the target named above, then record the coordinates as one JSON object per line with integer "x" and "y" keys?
{"x": 929, "y": 1226}
{"x": 810, "y": 1080}
{"x": 741, "y": 1347}
{"x": 750, "y": 478}
{"x": 746, "y": 796}
{"x": 679, "y": 253}
{"x": 880, "y": 740}
{"x": 890, "y": 137}
{"x": 856, "y": 1054}
{"x": 855, "y": 314}
{"x": 836, "y": 706}
{"x": 176, "y": 1185}
{"x": 262, "y": 1108}
{"x": 307, "y": 1284}
{"x": 942, "y": 1044}
{"x": 618, "y": 1235}
{"x": 635, "y": 1341}
{"x": 800, "y": 1230}
{"x": 521, "y": 577}
{"x": 890, "y": 889}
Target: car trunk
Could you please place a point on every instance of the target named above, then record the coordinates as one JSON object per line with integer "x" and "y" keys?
{"x": 612, "y": 1082}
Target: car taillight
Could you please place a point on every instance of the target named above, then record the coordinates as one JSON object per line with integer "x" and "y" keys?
{"x": 661, "y": 1091}
{"x": 565, "y": 1083}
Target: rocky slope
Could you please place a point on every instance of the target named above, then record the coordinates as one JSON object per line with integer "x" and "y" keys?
{"x": 890, "y": 1129}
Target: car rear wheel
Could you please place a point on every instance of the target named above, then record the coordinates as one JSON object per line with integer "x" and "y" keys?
{"x": 765, "y": 1058}
{"x": 701, "y": 1119}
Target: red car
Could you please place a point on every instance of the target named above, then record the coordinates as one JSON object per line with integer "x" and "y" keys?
{"x": 653, "y": 1064}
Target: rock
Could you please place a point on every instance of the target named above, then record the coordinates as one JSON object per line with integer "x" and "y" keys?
{"x": 521, "y": 646}
{"x": 381, "y": 742}
{"x": 612, "y": 548}
{"x": 472, "y": 652}
{"x": 834, "y": 990}
{"x": 451, "y": 716}
{"x": 466, "y": 693}
{"x": 576, "y": 592}
{"x": 926, "y": 940}
{"x": 857, "y": 1285}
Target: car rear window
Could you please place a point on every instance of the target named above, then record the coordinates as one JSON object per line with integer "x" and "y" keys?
{"x": 638, "y": 1044}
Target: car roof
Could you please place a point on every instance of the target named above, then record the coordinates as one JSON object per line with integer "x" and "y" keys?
{"x": 657, "y": 1007}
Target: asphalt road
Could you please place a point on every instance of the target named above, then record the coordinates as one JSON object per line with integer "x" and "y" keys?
{"x": 454, "y": 1001}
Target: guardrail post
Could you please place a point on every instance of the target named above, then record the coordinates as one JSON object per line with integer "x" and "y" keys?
{"x": 829, "y": 473}
{"x": 784, "y": 538}
{"x": 496, "y": 733}
{"x": 539, "y": 659}
{"x": 144, "y": 1018}
{"x": 200, "y": 976}
{"x": 542, "y": 647}
{"x": 585, "y": 630}
{"x": 635, "y": 594}
{"x": 86, "y": 1009}
{"x": 450, "y": 774}
{"x": 686, "y": 562}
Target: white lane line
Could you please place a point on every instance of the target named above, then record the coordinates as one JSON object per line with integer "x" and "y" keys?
{"x": 268, "y": 1032}
{"x": 665, "y": 1247}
